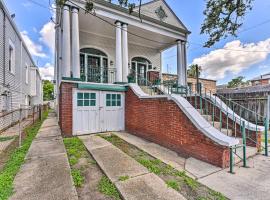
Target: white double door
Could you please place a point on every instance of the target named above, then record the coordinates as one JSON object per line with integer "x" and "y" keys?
{"x": 97, "y": 111}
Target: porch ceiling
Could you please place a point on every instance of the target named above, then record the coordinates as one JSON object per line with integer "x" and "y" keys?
{"x": 136, "y": 35}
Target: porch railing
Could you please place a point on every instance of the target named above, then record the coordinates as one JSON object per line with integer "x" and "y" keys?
{"x": 100, "y": 75}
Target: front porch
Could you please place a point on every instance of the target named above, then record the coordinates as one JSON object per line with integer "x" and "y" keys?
{"x": 115, "y": 47}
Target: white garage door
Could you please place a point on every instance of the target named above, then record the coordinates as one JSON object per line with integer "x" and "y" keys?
{"x": 97, "y": 111}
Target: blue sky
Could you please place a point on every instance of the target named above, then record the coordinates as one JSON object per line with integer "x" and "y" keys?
{"x": 248, "y": 54}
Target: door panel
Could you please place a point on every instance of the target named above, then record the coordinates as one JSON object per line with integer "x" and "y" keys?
{"x": 97, "y": 111}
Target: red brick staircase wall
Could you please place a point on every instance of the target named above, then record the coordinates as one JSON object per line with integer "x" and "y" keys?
{"x": 162, "y": 121}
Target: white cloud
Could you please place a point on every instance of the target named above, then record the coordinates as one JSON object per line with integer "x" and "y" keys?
{"x": 26, "y": 4}
{"x": 218, "y": 62}
{"x": 47, "y": 35}
{"x": 47, "y": 72}
{"x": 35, "y": 49}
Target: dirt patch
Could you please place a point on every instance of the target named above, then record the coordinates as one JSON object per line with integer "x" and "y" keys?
{"x": 178, "y": 180}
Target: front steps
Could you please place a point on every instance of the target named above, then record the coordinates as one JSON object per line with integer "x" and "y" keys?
{"x": 217, "y": 125}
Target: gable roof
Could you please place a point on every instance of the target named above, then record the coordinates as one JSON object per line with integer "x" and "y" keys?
{"x": 149, "y": 9}
{"x": 143, "y": 16}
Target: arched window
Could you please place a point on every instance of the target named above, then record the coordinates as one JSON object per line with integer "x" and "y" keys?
{"x": 93, "y": 51}
{"x": 94, "y": 65}
{"x": 142, "y": 60}
{"x": 139, "y": 69}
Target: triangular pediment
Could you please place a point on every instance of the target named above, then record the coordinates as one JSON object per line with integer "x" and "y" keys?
{"x": 160, "y": 10}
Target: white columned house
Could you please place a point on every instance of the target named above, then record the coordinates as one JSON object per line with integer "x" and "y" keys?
{"x": 66, "y": 64}
{"x": 125, "y": 52}
{"x": 75, "y": 44}
{"x": 99, "y": 52}
{"x": 118, "y": 52}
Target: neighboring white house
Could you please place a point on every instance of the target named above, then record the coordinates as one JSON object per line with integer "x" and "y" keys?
{"x": 20, "y": 81}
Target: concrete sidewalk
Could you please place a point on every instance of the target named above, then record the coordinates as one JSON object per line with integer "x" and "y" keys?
{"x": 252, "y": 183}
{"x": 141, "y": 184}
{"x": 45, "y": 175}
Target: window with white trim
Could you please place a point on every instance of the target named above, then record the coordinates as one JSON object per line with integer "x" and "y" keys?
{"x": 113, "y": 100}
{"x": 86, "y": 99}
{"x": 11, "y": 57}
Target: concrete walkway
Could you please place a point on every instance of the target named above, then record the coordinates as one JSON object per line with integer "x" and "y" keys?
{"x": 141, "y": 184}
{"x": 194, "y": 168}
{"x": 251, "y": 183}
{"x": 45, "y": 175}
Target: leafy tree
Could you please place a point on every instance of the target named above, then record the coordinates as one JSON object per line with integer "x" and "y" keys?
{"x": 238, "y": 82}
{"x": 191, "y": 72}
{"x": 48, "y": 90}
{"x": 223, "y": 18}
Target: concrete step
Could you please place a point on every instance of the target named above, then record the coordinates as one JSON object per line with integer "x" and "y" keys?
{"x": 215, "y": 124}
{"x": 200, "y": 111}
{"x": 228, "y": 132}
{"x": 250, "y": 151}
{"x": 207, "y": 117}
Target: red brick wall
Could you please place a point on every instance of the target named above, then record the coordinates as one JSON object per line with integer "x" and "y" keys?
{"x": 162, "y": 121}
{"x": 65, "y": 108}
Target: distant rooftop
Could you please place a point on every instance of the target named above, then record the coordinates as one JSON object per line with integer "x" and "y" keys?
{"x": 249, "y": 89}
{"x": 264, "y": 76}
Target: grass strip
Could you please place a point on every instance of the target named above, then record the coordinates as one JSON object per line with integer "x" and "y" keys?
{"x": 106, "y": 187}
{"x": 16, "y": 159}
{"x": 178, "y": 180}
{"x": 75, "y": 150}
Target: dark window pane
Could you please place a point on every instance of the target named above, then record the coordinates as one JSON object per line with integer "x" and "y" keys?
{"x": 118, "y": 96}
{"x": 113, "y": 103}
{"x": 93, "y": 103}
{"x": 80, "y": 103}
{"x": 80, "y": 95}
{"x": 93, "y": 95}
{"x": 108, "y": 103}
{"x": 86, "y": 95}
{"x": 113, "y": 96}
{"x": 119, "y": 103}
{"x": 86, "y": 102}
{"x": 108, "y": 96}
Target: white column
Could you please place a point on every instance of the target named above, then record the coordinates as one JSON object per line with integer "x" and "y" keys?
{"x": 75, "y": 44}
{"x": 181, "y": 72}
{"x": 59, "y": 55}
{"x": 125, "y": 52}
{"x": 184, "y": 53}
{"x": 118, "y": 53}
{"x": 66, "y": 43}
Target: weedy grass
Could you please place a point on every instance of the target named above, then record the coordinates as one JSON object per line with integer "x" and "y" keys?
{"x": 177, "y": 180}
{"x": 106, "y": 187}
{"x": 16, "y": 159}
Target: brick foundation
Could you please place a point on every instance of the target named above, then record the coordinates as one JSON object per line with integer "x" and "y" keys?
{"x": 161, "y": 121}
{"x": 65, "y": 108}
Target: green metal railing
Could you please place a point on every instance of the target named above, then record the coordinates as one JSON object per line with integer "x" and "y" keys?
{"x": 222, "y": 113}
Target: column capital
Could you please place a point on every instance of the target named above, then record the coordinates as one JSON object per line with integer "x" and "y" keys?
{"x": 75, "y": 9}
{"x": 118, "y": 22}
{"x": 66, "y": 7}
{"x": 124, "y": 24}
